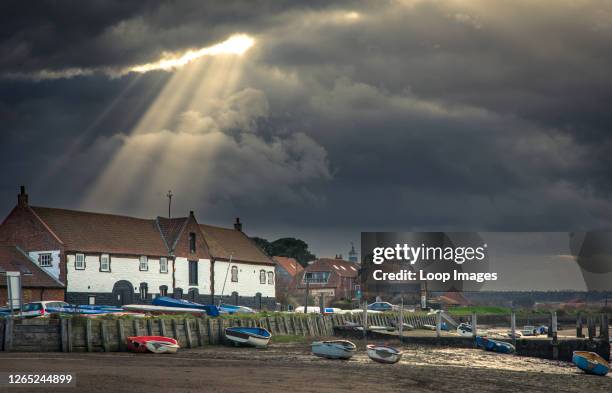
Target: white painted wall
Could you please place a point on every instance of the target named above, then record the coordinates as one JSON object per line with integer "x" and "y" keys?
{"x": 181, "y": 275}
{"x": 54, "y": 269}
{"x": 248, "y": 279}
{"x": 91, "y": 279}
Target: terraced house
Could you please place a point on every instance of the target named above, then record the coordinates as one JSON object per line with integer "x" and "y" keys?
{"x": 113, "y": 259}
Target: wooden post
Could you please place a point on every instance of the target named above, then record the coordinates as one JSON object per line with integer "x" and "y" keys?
{"x": 69, "y": 332}
{"x": 605, "y": 328}
{"x": 591, "y": 327}
{"x": 121, "y": 334}
{"x": 365, "y": 320}
{"x": 8, "y": 333}
{"x": 175, "y": 329}
{"x": 150, "y": 327}
{"x": 211, "y": 339}
{"x": 104, "y": 334}
{"x": 438, "y": 323}
{"x": 188, "y": 333}
{"x": 63, "y": 335}
{"x": 513, "y": 327}
{"x": 200, "y": 326}
{"x": 579, "y": 333}
{"x": 136, "y": 325}
{"x": 162, "y": 327}
{"x": 474, "y": 325}
{"x": 2, "y": 325}
{"x": 88, "y": 335}
{"x": 401, "y": 320}
{"x": 555, "y": 342}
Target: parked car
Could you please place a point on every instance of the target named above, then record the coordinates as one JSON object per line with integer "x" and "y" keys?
{"x": 40, "y": 309}
{"x": 382, "y": 306}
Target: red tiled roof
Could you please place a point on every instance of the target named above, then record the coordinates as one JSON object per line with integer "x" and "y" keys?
{"x": 225, "y": 242}
{"x": 340, "y": 266}
{"x": 12, "y": 259}
{"x": 97, "y": 232}
{"x": 171, "y": 229}
{"x": 290, "y": 265}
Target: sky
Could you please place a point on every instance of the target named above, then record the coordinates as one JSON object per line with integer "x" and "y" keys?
{"x": 315, "y": 121}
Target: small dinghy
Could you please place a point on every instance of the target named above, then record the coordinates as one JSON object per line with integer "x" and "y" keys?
{"x": 590, "y": 363}
{"x": 494, "y": 345}
{"x": 154, "y": 344}
{"x": 464, "y": 329}
{"x": 384, "y": 354}
{"x": 335, "y": 349}
{"x": 429, "y": 327}
{"x": 253, "y": 336}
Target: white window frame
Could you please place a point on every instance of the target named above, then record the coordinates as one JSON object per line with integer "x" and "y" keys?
{"x": 262, "y": 277}
{"x": 234, "y": 269}
{"x": 143, "y": 263}
{"x": 108, "y": 262}
{"x": 270, "y": 278}
{"x": 164, "y": 265}
{"x": 45, "y": 255}
{"x": 91, "y": 300}
{"x": 78, "y": 266}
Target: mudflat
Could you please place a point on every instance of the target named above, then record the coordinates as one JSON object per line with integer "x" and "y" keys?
{"x": 291, "y": 368}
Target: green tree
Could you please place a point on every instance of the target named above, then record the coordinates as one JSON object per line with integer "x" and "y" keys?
{"x": 286, "y": 247}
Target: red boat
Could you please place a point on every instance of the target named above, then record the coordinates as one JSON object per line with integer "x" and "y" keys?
{"x": 155, "y": 344}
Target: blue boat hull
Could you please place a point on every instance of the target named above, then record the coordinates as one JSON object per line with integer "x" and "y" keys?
{"x": 494, "y": 345}
{"x": 590, "y": 363}
{"x": 257, "y": 337}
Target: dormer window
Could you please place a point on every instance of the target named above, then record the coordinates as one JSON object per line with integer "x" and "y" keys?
{"x": 44, "y": 260}
{"x": 192, "y": 242}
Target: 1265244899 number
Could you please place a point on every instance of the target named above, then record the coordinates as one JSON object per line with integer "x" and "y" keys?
{"x": 34, "y": 378}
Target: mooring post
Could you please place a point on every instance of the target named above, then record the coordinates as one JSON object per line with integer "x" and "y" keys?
{"x": 605, "y": 328}
{"x": 555, "y": 342}
{"x": 365, "y": 320}
{"x": 513, "y": 326}
{"x": 591, "y": 327}
{"x": 579, "y": 326}
{"x": 474, "y": 325}
{"x": 438, "y": 322}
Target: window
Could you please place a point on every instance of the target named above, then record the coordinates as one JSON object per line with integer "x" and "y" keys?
{"x": 91, "y": 300}
{"x": 234, "y": 273}
{"x": 44, "y": 260}
{"x": 144, "y": 263}
{"x": 316, "y": 277}
{"x": 105, "y": 263}
{"x": 144, "y": 289}
{"x": 79, "y": 261}
{"x": 262, "y": 276}
{"x": 192, "y": 242}
{"x": 163, "y": 290}
{"x": 193, "y": 272}
{"x": 270, "y": 278}
{"x": 163, "y": 265}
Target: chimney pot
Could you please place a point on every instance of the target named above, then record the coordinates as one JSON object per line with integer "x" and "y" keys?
{"x": 238, "y": 224}
{"x": 22, "y": 198}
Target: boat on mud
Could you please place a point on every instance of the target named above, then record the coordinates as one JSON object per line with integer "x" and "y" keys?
{"x": 590, "y": 363}
{"x": 153, "y": 344}
{"x": 465, "y": 330}
{"x": 253, "y": 336}
{"x": 335, "y": 349}
{"x": 383, "y": 354}
{"x": 166, "y": 301}
{"x": 231, "y": 309}
{"x": 499, "y": 346}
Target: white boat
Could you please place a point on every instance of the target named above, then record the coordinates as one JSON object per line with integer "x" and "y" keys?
{"x": 383, "y": 354}
{"x": 161, "y": 347}
{"x": 335, "y": 349}
{"x": 148, "y": 308}
{"x": 465, "y": 330}
{"x": 253, "y": 336}
{"x": 529, "y": 331}
{"x": 429, "y": 327}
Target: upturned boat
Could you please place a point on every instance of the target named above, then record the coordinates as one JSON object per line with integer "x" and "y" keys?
{"x": 253, "y": 336}
{"x": 166, "y": 301}
{"x": 489, "y": 344}
{"x": 335, "y": 349}
{"x": 465, "y": 330}
{"x": 154, "y": 344}
{"x": 152, "y": 309}
{"x": 590, "y": 363}
{"x": 383, "y": 354}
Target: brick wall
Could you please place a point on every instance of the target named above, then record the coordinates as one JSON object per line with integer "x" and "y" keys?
{"x": 34, "y": 294}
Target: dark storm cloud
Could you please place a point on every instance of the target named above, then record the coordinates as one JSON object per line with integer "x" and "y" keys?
{"x": 416, "y": 115}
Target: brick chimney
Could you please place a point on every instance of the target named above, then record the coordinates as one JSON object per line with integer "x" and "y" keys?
{"x": 238, "y": 224}
{"x": 22, "y": 198}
